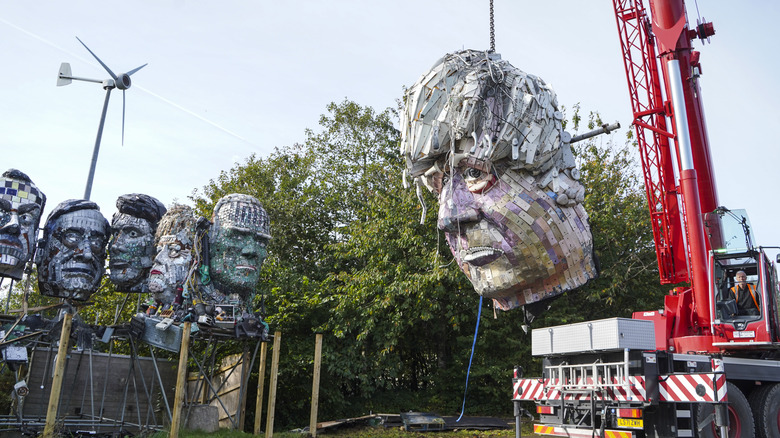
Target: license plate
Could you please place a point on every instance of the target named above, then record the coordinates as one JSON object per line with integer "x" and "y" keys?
{"x": 635, "y": 423}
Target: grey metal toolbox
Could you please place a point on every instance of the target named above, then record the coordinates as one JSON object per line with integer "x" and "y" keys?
{"x": 600, "y": 335}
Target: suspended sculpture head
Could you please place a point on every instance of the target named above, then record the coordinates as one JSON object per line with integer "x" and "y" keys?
{"x": 487, "y": 139}
{"x": 21, "y": 206}
{"x": 237, "y": 243}
{"x": 174, "y": 240}
{"x": 73, "y": 250}
{"x": 131, "y": 249}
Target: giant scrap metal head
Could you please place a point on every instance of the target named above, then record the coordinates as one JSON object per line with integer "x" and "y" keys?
{"x": 237, "y": 243}
{"x": 487, "y": 138}
{"x": 21, "y": 205}
{"x": 132, "y": 247}
{"x": 73, "y": 250}
{"x": 174, "y": 241}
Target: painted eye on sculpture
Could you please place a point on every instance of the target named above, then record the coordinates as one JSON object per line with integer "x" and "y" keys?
{"x": 473, "y": 173}
{"x": 26, "y": 219}
{"x": 5, "y": 217}
{"x": 71, "y": 237}
{"x": 96, "y": 242}
{"x": 174, "y": 251}
{"x": 478, "y": 180}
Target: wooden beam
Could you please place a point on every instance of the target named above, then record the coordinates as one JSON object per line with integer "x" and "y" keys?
{"x": 59, "y": 374}
{"x": 181, "y": 381}
{"x": 315, "y": 386}
{"x": 245, "y": 372}
{"x": 269, "y": 427}
{"x": 260, "y": 387}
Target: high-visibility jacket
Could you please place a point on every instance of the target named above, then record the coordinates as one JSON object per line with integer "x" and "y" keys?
{"x": 752, "y": 290}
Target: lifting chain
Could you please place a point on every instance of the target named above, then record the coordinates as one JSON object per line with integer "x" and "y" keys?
{"x": 492, "y": 30}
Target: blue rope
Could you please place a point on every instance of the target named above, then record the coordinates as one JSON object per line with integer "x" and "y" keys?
{"x": 473, "y": 344}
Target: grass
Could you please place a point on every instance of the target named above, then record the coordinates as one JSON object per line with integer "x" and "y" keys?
{"x": 366, "y": 432}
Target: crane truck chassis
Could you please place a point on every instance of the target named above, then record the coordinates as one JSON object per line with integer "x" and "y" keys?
{"x": 700, "y": 366}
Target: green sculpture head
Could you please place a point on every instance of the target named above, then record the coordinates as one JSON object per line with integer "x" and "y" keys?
{"x": 237, "y": 243}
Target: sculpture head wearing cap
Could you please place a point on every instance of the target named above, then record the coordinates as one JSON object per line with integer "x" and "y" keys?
{"x": 21, "y": 206}
{"x": 237, "y": 243}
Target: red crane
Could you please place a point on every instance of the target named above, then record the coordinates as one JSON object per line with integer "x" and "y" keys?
{"x": 708, "y": 362}
{"x": 679, "y": 238}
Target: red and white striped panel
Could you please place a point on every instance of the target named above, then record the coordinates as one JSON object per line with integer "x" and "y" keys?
{"x": 538, "y": 389}
{"x": 635, "y": 392}
{"x": 529, "y": 389}
{"x": 693, "y": 388}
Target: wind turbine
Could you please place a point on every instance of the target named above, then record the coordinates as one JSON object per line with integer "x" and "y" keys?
{"x": 121, "y": 81}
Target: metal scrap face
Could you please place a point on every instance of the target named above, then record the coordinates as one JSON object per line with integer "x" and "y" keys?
{"x": 237, "y": 249}
{"x": 174, "y": 239}
{"x": 21, "y": 206}
{"x": 132, "y": 248}
{"x": 74, "y": 250}
{"x": 488, "y": 139}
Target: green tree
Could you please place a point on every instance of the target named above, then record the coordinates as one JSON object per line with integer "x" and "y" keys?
{"x": 349, "y": 259}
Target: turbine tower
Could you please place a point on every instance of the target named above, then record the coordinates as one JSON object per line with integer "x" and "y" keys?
{"x": 121, "y": 81}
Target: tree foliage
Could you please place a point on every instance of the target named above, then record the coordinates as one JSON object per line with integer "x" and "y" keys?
{"x": 349, "y": 259}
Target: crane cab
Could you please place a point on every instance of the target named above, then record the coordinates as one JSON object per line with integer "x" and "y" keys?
{"x": 743, "y": 285}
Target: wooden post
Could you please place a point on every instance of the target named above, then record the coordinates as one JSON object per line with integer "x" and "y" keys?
{"x": 269, "y": 426}
{"x": 260, "y": 387}
{"x": 245, "y": 371}
{"x": 59, "y": 375}
{"x": 315, "y": 386}
{"x": 181, "y": 380}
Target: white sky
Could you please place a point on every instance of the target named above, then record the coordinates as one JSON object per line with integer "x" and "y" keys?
{"x": 231, "y": 78}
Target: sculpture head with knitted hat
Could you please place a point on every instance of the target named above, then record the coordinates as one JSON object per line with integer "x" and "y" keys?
{"x": 132, "y": 246}
{"x": 488, "y": 140}
{"x": 237, "y": 244}
{"x": 21, "y": 206}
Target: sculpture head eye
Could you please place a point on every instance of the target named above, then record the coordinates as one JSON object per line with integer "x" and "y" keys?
{"x": 478, "y": 180}
{"x": 472, "y": 173}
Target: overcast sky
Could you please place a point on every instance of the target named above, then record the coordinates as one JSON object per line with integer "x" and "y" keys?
{"x": 231, "y": 78}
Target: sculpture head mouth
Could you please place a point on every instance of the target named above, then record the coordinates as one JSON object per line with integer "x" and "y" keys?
{"x": 480, "y": 255}
{"x": 246, "y": 268}
{"x": 155, "y": 272}
{"x": 13, "y": 243}
{"x": 78, "y": 271}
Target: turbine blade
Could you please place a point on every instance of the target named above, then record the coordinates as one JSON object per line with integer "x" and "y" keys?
{"x": 113, "y": 76}
{"x": 136, "y": 69}
{"x": 123, "y": 117}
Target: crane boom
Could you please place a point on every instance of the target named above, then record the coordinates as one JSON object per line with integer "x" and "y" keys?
{"x": 653, "y": 138}
{"x": 669, "y": 88}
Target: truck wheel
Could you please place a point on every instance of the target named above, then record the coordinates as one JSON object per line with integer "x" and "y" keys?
{"x": 740, "y": 416}
{"x": 767, "y": 413}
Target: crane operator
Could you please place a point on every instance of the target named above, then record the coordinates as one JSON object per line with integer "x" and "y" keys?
{"x": 745, "y": 295}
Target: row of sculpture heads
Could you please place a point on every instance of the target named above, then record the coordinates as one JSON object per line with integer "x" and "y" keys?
{"x": 149, "y": 248}
{"x": 484, "y": 136}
